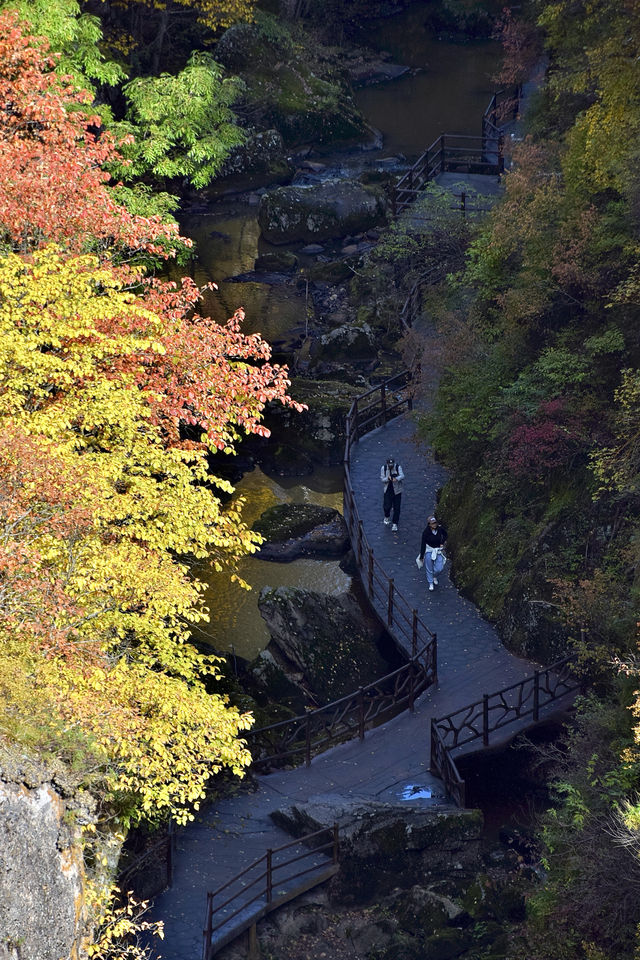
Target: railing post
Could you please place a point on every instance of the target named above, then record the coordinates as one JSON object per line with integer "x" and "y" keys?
{"x": 361, "y": 713}
{"x": 433, "y": 758}
{"x": 390, "y": 605}
{"x": 370, "y": 572}
{"x": 501, "y": 153}
{"x": 254, "y": 949}
{"x": 307, "y": 741}
{"x": 269, "y": 875}
{"x": 442, "y": 158}
{"x": 360, "y": 538}
{"x": 434, "y": 645}
{"x": 411, "y": 179}
{"x": 411, "y": 684}
{"x": 383, "y": 402}
{"x": 414, "y": 633}
{"x": 463, "y": 203}
{"x": 536, "y": 695}
{"x": 394, "y": 202}
{"x": 485, "y": 719}
{"x": 355, "y": 421}
{"x": 206, "y": 946}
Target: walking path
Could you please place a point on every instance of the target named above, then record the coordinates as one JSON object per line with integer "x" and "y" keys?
{"x": 393, "y": 759}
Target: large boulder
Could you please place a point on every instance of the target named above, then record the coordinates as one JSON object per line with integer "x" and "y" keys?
{"x": 350, "y": 341}
{"x": 334, "y": 208}
{"x": 294, "y": 530}
{"x": 316, "y": 434}
{"x": 385, "y": 845}
{"x": 330, "y": 640}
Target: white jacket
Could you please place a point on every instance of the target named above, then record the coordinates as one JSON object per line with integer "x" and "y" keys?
{"x": 397, "y": 479}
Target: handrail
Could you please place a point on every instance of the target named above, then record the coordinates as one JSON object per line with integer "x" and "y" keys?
{"x": 451, "y": 151}
{"x": 305, "y": 735}
{"x": 324, "y": 849}
{"x": 478, "y": 720}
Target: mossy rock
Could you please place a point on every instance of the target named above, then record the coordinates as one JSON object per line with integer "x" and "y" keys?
{"x": 333, "y": 271}
{"x": 294, "y": 530}
{"x": 287, "y": 521}
{"x": 250, "y": 47}
{"x": 329, "y": 638}
{"x": 318, "y": 432}
{"x": 331, "y": 209}
{"x": 349, "y": 341}
{"x": 446, "y": 945}
{"x": 278, "y": 261}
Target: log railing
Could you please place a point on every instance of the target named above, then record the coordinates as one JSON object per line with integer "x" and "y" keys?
{"x": 476, "y": 721}
{"x": 298, "y": 739}
{"x": 449, "y": 153}
{"x": 281, "y": 875}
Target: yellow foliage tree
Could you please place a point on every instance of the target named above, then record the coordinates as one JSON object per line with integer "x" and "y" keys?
{"x": 101, "y": 509}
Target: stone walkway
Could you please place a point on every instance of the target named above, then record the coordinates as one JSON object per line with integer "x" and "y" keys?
{"x": 393, "y": 759}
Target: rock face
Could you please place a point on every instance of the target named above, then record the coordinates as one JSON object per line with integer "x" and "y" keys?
{"x": 329, "y": 639}
{"x": 330, "y": 209}
{"x": 41, "y": 876}
{"x": 301, "y": 530}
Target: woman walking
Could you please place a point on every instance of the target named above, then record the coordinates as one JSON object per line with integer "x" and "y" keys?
{"x": 434, "y": 537}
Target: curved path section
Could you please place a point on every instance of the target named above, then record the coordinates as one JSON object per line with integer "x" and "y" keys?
{"x": 471, "y": 658}
{"x": 394, "y": 758}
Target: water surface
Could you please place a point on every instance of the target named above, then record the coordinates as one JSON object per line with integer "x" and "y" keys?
{"x": 236, "y": 624}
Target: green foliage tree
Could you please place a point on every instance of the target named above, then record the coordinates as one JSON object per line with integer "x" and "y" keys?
{"x": 181, "y": 126}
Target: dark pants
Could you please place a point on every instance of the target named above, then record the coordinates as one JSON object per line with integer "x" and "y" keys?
{"x": 391, "y": 499}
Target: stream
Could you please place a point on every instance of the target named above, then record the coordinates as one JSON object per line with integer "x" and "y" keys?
{"x": 447, "y": 89}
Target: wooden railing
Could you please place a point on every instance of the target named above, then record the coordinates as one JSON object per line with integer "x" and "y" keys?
{"x": 478, "y": 720}
{"x": 300, "y": 738}
{"x": 450, "y": 152}
{"x": 266, "y": 884}
{"x": 459, "y": 153}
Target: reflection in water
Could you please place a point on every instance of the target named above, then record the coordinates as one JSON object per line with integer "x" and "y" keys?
{"x": 448, "y": 95}
{"x": 227, "y": 245}
{"x": 236, "y": 624}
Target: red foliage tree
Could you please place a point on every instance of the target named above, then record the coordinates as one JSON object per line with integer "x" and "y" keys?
{"x": 53, "y": 185}
{"x": 548, "y": 441}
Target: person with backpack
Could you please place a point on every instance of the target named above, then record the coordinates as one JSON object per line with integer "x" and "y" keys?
{"x": 392, "y": 475}
{"x": 431, "y": 556}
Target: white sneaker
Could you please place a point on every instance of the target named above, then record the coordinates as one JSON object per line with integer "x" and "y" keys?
{"x": 435, "y": 581}
{"x": 387, "y": 520}
{"x": 394, "y": 527}
{"x": 430, "y": 586}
